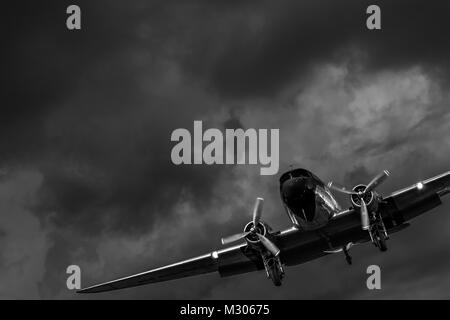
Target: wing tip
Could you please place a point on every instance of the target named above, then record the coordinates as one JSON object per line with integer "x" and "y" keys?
{"x": 87, "y": 290}
{"x": 96, "y": 288}
{"x": 81, "y": 291}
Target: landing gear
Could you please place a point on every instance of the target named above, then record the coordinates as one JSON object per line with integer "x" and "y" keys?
{"x": 345, "y": 248}
{"x": 378, "y": 234}
{"x": 348, "y": 258}
{"x": 380, "y": 240}
{"x": 382, "y": 243}
{"x": 276, "y": 276}
{"x": 274, "y": 269}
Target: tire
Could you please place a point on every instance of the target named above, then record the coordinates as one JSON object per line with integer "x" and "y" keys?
{"x": 275, "y": 275}
{"x": 382, "y": 242}
{"x": 349, "y": 260}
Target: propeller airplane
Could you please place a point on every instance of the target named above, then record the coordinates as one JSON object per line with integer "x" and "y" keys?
{"x": 319, "y": 226}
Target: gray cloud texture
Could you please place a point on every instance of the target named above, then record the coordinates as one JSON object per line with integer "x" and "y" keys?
{"x": 85, "y": 128}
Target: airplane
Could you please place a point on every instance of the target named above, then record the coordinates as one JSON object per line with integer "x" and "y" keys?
{"x": 319, "y": 227}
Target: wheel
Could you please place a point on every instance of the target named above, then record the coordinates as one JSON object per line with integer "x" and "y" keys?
{"x": 382, "y": 242}
{"x": 349, "y": 259}
{"x": 275, "y": 275}
{"x": 383, "y": 246}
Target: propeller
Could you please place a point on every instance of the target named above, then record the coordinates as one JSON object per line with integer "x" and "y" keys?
{"x": 269, "y": 245}
{"x": 379, "y": 179}
{"x": 361, "y": 194}
{"x": 257, "y": 212}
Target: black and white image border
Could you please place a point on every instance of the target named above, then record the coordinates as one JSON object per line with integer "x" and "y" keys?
{"x": 94, "y": 93}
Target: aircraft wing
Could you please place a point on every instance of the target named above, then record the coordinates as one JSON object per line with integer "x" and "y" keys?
{"x": 418, "y": 198}
{"x": 198, "y": 265}
{"x": 296, "y": 247}
{"x": 236, "y": 259}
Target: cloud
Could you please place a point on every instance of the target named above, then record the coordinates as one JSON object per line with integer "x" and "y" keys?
{"x": 23, "y": 240}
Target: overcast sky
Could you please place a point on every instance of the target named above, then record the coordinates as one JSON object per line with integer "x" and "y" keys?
{"x": 86, "y": 117}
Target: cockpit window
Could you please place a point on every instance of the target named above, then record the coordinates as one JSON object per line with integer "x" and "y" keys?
{"x": 295, "y": 174}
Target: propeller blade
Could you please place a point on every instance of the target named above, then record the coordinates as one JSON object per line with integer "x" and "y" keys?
{"x": 380, "y": 178}
{"x": 269, "y": 245}
{"x": 364, "y": 216}
{"x": 234, "y": 237}
{"x": 257, "y": 211}
{"x": 339, "y": 188}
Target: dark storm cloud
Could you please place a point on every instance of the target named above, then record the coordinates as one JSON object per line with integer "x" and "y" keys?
{"x": 43, "y": 65}
{"x": 268, "y": 45}
{"x": 80, "y": 110}
{"x": 99, "y": 154}
{"x": 92, "y": 112}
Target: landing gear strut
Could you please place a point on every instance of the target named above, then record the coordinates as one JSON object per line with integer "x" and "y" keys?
{"x": 348, "y": 258}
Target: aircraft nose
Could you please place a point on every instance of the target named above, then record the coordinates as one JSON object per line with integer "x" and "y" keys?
{"x": 296, "y": 186}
